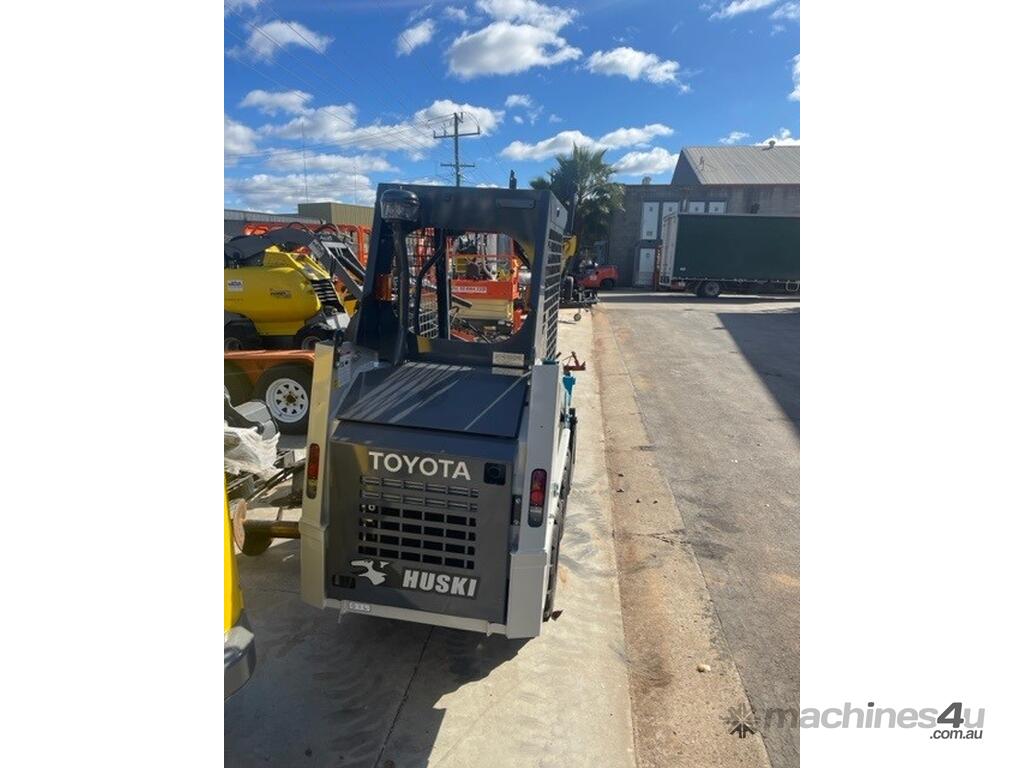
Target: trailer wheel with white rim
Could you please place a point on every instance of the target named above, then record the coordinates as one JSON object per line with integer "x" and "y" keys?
{"x": 709, "y": 289}
{"x": 285, "y": 389}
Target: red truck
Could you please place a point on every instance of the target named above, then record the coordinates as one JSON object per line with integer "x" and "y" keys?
{"x": 603, "y": 276}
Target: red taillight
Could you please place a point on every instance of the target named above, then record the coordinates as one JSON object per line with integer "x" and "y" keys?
{"x": 312, "y": 469}
{"x": 538, "y": 495}
{"x": 538, "y": 481}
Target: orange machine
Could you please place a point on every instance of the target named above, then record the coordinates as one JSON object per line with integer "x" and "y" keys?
{"x": 493, "y": 292}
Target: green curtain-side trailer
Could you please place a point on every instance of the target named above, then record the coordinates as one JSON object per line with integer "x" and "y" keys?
{"x": 732, "y": 250}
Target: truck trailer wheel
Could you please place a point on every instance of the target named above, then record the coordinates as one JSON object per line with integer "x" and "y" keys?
{"x": 285, "y": 389}
{"x": 709, "y": 289}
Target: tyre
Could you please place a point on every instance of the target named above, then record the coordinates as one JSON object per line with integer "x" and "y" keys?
{"x": 236, "y": 384}
{"x": 285, "y": 389}
{"x": 709, "y": 289}
{"x": 239, "y": 335}
{"x": 308, "y": 338}
{"x": 608, "y": 284}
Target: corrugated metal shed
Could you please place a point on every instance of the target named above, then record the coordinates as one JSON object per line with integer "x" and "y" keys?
{"x": 710, "y": 166}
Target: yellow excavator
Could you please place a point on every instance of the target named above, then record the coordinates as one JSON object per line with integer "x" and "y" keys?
{"x": 288, "y": 289}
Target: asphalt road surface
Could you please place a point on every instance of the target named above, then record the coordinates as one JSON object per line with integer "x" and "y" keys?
{"x": 717, "y": 383}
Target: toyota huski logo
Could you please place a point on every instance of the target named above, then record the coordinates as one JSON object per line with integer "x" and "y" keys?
{"x": 375, "y": 576}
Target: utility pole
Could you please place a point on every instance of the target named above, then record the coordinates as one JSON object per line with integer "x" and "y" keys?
{"x": 458, "y": 117}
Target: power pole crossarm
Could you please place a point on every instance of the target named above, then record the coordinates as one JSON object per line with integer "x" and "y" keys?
{"x": 457, "y": 117}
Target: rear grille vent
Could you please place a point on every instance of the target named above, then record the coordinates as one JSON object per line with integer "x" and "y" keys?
{"x": 325, "y": 291}
{"x": 418, "y": 527}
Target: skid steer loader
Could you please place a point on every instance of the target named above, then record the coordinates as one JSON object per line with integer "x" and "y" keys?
{"x": 288, "y": 288}
{"x": 438, "y": 469}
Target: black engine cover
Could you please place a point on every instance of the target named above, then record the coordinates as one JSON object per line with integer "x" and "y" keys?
{"x": 416, "y": 527}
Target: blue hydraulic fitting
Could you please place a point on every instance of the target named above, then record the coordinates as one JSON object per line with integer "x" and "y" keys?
{"x": 568, "y": 381}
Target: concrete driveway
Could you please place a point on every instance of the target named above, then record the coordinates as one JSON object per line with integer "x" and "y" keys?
{"x": 374, "y": 692}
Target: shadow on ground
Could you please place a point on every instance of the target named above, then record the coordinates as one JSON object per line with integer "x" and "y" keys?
{"x": 667, "y": 297}
{"x": 360, "y": 692}
{"x": 770, "y": 341}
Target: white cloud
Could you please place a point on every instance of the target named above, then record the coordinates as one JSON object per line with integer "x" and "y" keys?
{"x": 420, "y": 12}
{"x": 239, "y": 139}
{"x": 292, "y": 160}
{"x": 262, "y": 39}
{"x": 502, "y": 48}
{"x": 519, "y": 100}
{"x": 562, "y": 142}
{"x": 283, "y": 193}
{"x": 336, "y": 124}
{"x": 784, "y": 138}
{"x": 423, "y": 181}
{"x": 633, "y": 137}
{"x": 553, "y": 118}
{"x": 331, "y": 123}
{"x": 414, "y": 37}
{"x": 737, "y": 7}
{"x": 455, "y": 14}
{"x": 655, "y": 161}
{"x": 528, "y": 12}
{"x": 559, "y": 144}
{"x": 788, "y": 11}
{"x": 237, "y": 6}
{"x": 635, "y": 65}
{"x": 487, "y": 119}
{"x": 734, "y": 137}
{"x": 524, "y": 101}
{"x": 794, "y": 95}
{"x": 272, "y": 102}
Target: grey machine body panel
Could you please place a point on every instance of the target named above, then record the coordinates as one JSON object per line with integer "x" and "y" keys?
{"x": 421, "y": 509}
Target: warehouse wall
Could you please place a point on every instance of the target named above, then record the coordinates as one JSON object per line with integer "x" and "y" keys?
{"x": 625, "y": 230}
{"x": 339, "y": 213}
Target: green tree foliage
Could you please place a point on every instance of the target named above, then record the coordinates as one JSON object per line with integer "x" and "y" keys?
{"x": 585, "y": 177}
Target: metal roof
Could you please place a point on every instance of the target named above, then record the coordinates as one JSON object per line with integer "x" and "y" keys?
{"x": 757, "y": 164}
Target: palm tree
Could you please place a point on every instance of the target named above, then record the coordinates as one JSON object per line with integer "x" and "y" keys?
{"x": 583, "y": 180}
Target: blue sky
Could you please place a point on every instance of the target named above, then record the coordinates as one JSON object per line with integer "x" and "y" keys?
{"x": 364, "y": 84}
